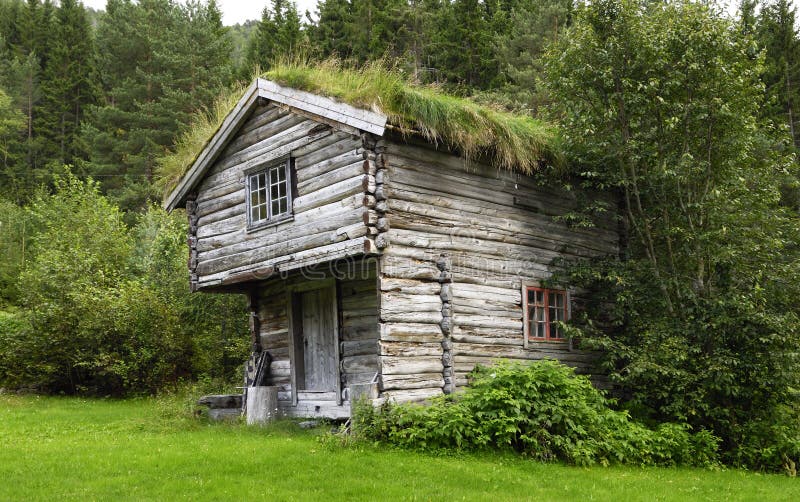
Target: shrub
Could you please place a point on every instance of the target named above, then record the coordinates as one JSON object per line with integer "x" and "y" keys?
{"x": 13, "y": 348}
{"x": 15, "y": 230}
{"x": 771, "y": 443}
{"x": 106, "y": 309}
{"x": 542, "y": 410}
{"x": 707, "y": 324}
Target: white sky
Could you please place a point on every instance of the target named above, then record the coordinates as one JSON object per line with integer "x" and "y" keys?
{"x": 233, "y": 11}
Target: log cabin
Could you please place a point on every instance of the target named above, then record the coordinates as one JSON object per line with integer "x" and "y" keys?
{"x": 379, "y": 260}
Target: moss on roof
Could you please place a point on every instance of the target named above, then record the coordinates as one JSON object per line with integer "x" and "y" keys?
{"x": 511, "y": 141}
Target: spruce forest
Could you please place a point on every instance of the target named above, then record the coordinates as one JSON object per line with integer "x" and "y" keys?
{"x": 687, "y": 111}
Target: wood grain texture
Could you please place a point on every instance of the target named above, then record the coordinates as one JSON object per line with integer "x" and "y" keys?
{"x": 495, "y": 231}
{"x": 359, "y": 352}
{"x": 328, "y": 206}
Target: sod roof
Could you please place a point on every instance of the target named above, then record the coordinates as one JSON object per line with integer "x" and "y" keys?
{"x": 507, "y": 140}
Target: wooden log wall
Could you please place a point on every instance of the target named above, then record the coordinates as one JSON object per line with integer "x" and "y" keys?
{"x": 358, "y": 332}
{"x": 464, "y": 239}
{"x": 358, "y": 328}
{"x": 191, "y": 213}
{"x": 333, "y": 215}
{"x": 410, "y": 311}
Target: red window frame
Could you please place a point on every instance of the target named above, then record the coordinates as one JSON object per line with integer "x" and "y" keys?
{"x": 540, "y": 315}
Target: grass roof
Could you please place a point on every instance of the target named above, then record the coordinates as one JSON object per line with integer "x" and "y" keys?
{"x": 510, "y": 141}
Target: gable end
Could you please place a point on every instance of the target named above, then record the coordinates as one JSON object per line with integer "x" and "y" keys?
{"x": 311, "y": 105}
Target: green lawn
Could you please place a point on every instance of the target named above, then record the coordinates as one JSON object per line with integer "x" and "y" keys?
{"x": 53, "y": 449}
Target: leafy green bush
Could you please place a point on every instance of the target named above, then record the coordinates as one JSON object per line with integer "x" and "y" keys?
{"x": 543, "y": 410}
{"x": 700, "y": 322}
{"x": 106, "y": 309}
{"x": 771, "y": 442}
{"x": 213, "y": 325}
{"x": 15, "y": 230}
{"x": 13, "y": 347}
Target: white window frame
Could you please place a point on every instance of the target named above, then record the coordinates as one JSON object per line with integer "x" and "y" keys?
{"x": 267, "y": 170}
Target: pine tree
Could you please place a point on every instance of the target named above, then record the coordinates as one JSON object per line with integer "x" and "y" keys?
{"x": 33, "y": 27}
{"x": 776, "y": 33}
{"x": 531, "y": 27}
{"x": 330, "y": 34}
{"x": 12, "y": 123}
{"x": 21, "y": 79}
{"x": 467, "y": 51}
{"x": 28, "y": 46}
{"x": 68, "y": 84}
{"x": 373, "y": 28}
{"x": 158, "y": 62}
{"x": 279, "y": 33}
{"x": 9, "y": 12}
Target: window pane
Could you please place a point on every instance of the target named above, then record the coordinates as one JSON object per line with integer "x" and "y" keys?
{"x": 257, "y": 184}
{"x": 557, "y": 311}
{"x": 268, "y": 194}
{"x": 278, "y": 190}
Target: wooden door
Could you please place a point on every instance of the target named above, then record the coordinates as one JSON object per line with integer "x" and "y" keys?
{"x": 318, "y": 310}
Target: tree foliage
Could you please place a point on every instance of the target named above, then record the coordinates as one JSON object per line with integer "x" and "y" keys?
{"x": 661, "y": 103}
{"x": 775, "y": 32}
{"x": 107, "y": 310}
{"x": 159, "y": 63}
{"x": 542, "y": 410}
{"x": 278, "y": 34}
{"x": 11, "y": 122}
{"x": 69, "y": 84}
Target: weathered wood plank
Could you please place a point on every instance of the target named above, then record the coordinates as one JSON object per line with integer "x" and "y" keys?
{"x": 410, "y": 349}
{"x": 324, "y": 107}
{"x": 411, "y": 332}
{"x": 411, "y": 395}
{"x": 402, "y": 365}
{"x": 401, "y": 268}
{"x": 360, "y": 364}
{"x": 338, "y": 250}
{"x": 408, "y": 382}
{"x": 410, "y": 286}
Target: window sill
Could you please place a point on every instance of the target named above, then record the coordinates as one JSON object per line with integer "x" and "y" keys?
{"x": 543, "y": 343}
{"x": 261, "y": 225}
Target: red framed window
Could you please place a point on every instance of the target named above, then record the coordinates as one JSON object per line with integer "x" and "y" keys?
{"x": 543, "y": 309}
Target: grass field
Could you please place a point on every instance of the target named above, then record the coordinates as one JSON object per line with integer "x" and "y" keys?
{"x": 54, "y": 449}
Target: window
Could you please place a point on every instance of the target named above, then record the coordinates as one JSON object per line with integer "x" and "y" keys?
{"x": 269, "y": 195}
{"x": 543, "y": 309}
